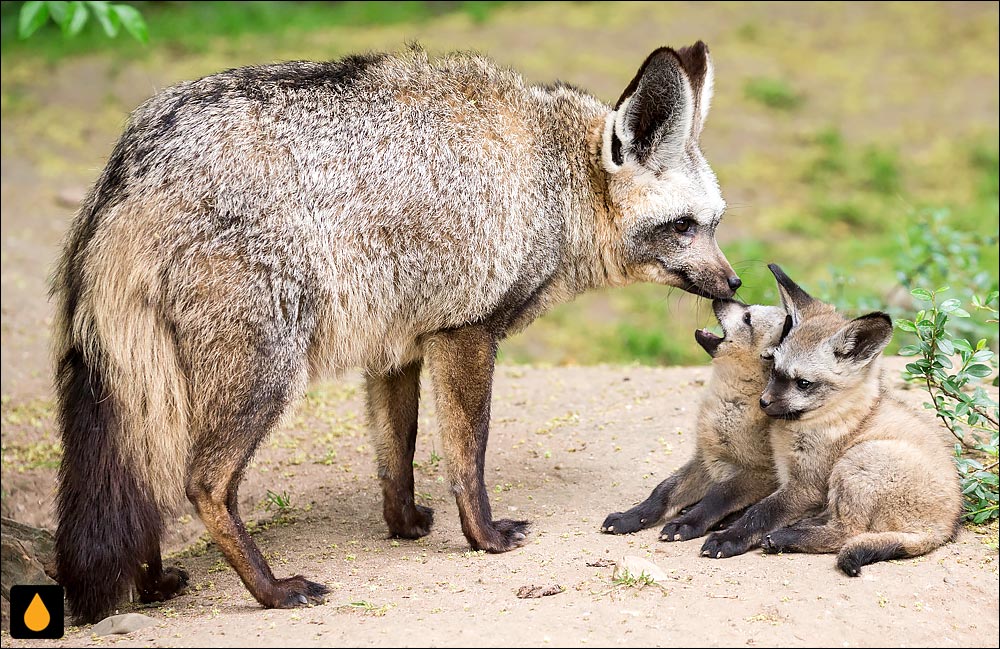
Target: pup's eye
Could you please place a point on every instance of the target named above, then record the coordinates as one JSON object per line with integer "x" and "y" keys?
{"x": 682, "y": 225}
{"x": 803, "y": 384}
{"x": 767, "y": 356}
{"x": 746, "y": 317}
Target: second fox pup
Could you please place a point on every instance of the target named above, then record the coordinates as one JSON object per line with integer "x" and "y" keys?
{"x": 264, "y": 226}
{"x": 731, "y": 468}
{"x": 861, "y": 474}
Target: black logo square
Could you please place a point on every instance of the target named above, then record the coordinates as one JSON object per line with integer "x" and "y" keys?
{"x": 36, "y": 612}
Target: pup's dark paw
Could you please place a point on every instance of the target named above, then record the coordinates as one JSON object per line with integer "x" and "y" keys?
{"x": 681, "y": 530}
{"x": 725, "y": 544}
{"x": 623, "y": 522}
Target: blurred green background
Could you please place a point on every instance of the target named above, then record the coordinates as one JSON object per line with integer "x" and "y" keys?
{"x": 856, "y": 143}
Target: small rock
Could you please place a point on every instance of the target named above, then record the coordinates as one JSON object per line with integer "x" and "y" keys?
{"x": 637, "y": 566}
{"x": 119, "y": 624}
{"x": 600, "y": 563}
{"x": 26, "y": 557}
{"x": 534, "y": 592}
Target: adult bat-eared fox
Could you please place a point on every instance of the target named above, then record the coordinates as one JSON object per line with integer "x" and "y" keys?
{"x": 264, "y": 226}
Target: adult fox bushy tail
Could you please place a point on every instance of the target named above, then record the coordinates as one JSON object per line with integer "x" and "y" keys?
{"x": 263, "y": 226}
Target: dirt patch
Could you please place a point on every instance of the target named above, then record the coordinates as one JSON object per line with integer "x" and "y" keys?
{"x": 568, "y": 446}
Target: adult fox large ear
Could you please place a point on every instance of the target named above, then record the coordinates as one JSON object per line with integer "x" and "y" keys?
{"x": 863, "y": 338}
{"x": 793, "y": 297}
{"x": 663, "y": 108}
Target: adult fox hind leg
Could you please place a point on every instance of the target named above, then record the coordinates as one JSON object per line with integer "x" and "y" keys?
{"x": 685, "y": 486}
{"x": 392, "y": 412}
{"x": 156, "y": 583}
{"x": 461, "y": 363}
{"x": 217, "y": 465}
{"x": 244, "y": 377}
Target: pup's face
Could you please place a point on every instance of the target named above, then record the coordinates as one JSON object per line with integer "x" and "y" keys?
{"x": 748, "y": 331}
{"x": 823, "y": 356}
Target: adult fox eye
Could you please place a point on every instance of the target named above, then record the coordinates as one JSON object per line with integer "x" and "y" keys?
{"x": 746, "y": 318}
{"x": 682, "y": 225}
{"x": 803, "y": 384}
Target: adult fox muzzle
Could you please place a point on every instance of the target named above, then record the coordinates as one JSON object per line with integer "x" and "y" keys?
{"x": 263, "y": 226}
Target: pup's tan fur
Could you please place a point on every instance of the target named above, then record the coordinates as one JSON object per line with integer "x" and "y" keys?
{"x": 862, "y": 474}
{"x": 732, "y": 466}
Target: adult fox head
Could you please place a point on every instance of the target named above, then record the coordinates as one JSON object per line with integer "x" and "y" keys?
{"x": 664, "y": 199}
{"x": 824, "y": 356}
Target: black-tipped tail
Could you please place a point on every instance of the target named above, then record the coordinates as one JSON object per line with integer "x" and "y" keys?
{"x": 108, "y": 524}
{"x": 853, "y": 557}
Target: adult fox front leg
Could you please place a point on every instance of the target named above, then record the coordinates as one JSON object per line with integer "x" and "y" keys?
{"x": 461, "y": 365}
{"x": 262, "y": 227}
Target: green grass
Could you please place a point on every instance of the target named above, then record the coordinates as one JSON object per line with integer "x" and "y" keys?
{"x": 773, "y": 93}
{"x": 842, "y": 172}
{"x": 193, "y": 27}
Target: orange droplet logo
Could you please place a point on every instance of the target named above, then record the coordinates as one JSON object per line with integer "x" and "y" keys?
{"x": 36, "y": 617}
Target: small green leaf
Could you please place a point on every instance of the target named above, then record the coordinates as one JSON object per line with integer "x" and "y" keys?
{"x": 77, "y": 18}
{"x": 979, "y": 370}
{"x": 943, "y": 361}
{"x": 950, "y": 305}
{"x": 962, "y": 344}
{"x": 983, "y": 355}
{"x": 960, "y": 313}
{"x": 921, "y": 294}
{"x": 109, "y": 19}
{"x": 909, "y": 350}
{"x": 33, "y": 15}
{"x": 906, "y": 325}
{"x": 132, "y": 21}
{"x": 58, "y": 9}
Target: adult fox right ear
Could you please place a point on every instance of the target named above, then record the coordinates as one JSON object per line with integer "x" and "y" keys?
{"x": 793, "y": 297}
{"x": 663, "y": 107}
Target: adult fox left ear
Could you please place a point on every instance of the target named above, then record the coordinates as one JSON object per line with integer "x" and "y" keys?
{"x": 661, "y": 109}
{"x": 697, "y": 64}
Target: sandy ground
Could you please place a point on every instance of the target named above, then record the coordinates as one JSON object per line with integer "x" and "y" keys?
{"x": 568, "y": 446}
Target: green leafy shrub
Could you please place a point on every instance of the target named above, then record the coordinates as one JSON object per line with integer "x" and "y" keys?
{"x": 73, "y": 16}
{"x": 957, "y": 394}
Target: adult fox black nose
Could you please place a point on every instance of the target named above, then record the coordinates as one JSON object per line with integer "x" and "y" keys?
{"x": 764, "y": 403}
{"x": 735, "y": 282}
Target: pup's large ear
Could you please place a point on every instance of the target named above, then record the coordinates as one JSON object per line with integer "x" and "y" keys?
{"x": 661, "y": 109}
{"x": 862, "y": 339}
{"x": 794, "y": 299}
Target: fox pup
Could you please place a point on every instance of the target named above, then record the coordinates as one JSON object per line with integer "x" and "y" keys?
{"x": 861, "y": 474}
{"x": 264, "y": 226}
{"x": 732, "y": 467}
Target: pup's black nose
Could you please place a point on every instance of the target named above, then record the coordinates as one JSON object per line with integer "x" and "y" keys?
{"x": 764, "y": 402}
{"x": 735, "y": 282}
